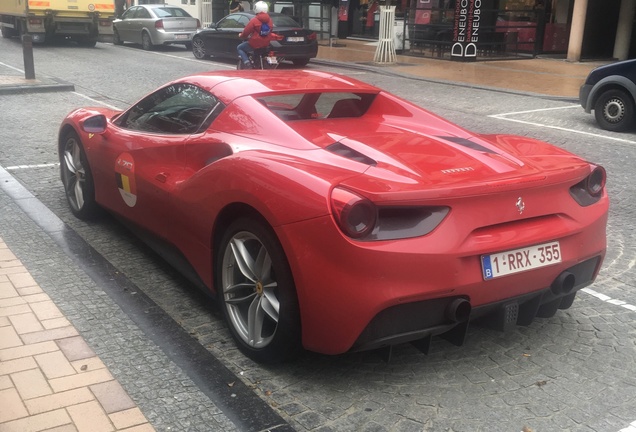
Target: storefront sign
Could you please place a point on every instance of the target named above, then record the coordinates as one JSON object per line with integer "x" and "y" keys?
{"x": 466, "y": 30}
{"x": 423, "y": 12}
{"x": 343, "y": 10}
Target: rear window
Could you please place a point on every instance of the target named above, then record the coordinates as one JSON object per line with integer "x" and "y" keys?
{"x": 284, "y": 21}
{"x": 314, "y": 106}
{"x": 167, "y": 12}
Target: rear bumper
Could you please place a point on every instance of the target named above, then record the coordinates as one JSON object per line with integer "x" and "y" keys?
{"x": 348, "y": 290}
{"x": 173, "y": 38}
{"x": 295, "y": 51}
{"x": 449, "y": 317}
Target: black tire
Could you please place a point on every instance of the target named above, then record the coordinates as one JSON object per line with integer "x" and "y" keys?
{"x": 7, "y": 32}
{"x": 188, "y": 46}
{"x": 198, "y": 48}
{"x": 146, "y": 42}
{"x": 87, "y": 43}
{"x": 300, "y": 62}
{"x": 256, "y": 292}
{"x": 116, "y": 39}
{"x": 614, "y": 110}
{"x": 77, "y": 178}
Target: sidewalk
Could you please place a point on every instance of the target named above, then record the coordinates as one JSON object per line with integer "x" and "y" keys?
{"x": 49, "y": 377}
{"x": 543, "y": 76}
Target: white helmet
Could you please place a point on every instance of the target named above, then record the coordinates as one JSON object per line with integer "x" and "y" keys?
{"x": 260, "y": 6}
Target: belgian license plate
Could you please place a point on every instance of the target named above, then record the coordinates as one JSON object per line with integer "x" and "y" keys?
{"x": 296, "y": 39}
{"x": 272, "y": 60}
{"x": 518, "y": 260}
{"x": 181, "y": 36}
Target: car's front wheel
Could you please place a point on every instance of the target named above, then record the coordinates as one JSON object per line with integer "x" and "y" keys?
{"x": 257, "y": 293}
{"x": 116, "y": 39}
{"x": 198, "y": 48}
{"x": 77, "y": 177}
{"x": 614, "y": 110}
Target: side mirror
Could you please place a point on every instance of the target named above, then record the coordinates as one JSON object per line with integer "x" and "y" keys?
{"x": 95, "y": 124}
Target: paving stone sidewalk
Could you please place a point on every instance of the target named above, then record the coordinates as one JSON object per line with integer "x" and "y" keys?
{"x": 49, "y": 376}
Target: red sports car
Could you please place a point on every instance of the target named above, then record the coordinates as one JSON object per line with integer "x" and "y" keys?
{"x": 328, "y": 214}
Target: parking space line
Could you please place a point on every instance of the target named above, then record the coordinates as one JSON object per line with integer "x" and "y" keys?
{"x": 609, "y": 300}
{"x": 505, "y": 116}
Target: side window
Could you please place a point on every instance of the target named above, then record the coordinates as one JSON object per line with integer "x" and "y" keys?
{"x": 142, "y": 13}
{"x": 130, "y": 13}
{"x": 231, "y": 22}
{"x": 177, "y": 109}
{"x": 243, "y": 20}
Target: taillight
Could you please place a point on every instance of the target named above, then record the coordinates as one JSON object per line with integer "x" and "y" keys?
{"x": 595, "y": 182}
{"x": 159, "y": 24}
{"x": 355, "y": 215}
{"x": 311, "y": 36}
{"x": 590, "y": 190}
{"x": 198, "y": 24}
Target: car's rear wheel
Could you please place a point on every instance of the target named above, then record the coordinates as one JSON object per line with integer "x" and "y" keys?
{"x": 198, "y": 48}
{"x": 116, "y": 39}
{"x": 614, "y": 110}
{"x": 257, "y": 293}
{"x": 77, "y": 177}
{"x": 300, "y": 61}
{"x": 146, "y": 42}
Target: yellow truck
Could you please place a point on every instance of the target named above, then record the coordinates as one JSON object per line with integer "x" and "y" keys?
{"x": 84, "y": 21}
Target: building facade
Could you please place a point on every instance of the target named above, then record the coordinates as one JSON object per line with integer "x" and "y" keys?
{"x": 572, "y": 29}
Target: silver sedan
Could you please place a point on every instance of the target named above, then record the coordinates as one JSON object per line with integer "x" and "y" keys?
{"x": 155, "y": 24}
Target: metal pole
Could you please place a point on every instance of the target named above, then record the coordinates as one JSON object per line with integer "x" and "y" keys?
{"x": 27, "y": 53}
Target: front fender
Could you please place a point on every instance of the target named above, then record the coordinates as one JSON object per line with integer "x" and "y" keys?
{"x": 609, "y": 81}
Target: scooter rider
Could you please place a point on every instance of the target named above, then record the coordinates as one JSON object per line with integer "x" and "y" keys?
{"x": 258, "y": 33}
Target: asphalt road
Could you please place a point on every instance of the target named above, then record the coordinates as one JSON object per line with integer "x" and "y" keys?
{"x": 573, "y": 372}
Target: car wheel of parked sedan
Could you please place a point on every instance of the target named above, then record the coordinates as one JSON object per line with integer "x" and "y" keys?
{"x": 77, "y": 178}
{"x": 257, "y": 292}
{"x": 300, "y": 61}
{"x": 198, "y": 48}
{"x": 614, "y": 110}
{"x": 146, "y": 42}
{"x": 116, "y": 39}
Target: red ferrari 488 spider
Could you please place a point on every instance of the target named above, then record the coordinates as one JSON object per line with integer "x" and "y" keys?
{"x": 328, "y": 214}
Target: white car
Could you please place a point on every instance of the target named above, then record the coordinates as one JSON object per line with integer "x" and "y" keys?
{"x": 155, "y": 24}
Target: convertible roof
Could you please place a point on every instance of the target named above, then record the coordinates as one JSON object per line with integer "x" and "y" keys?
{"x": 229, "y": 85}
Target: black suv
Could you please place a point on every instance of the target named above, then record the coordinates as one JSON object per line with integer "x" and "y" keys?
{"x": 610, "y": 91}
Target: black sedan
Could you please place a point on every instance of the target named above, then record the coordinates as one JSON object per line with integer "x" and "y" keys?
{"x": 610, "y": 91}
{"x": 298, "y": 45}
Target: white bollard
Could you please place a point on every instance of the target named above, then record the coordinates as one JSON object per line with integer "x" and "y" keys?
{"x": 385, "y": 52}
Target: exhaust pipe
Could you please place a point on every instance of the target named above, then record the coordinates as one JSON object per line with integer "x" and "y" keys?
{"x": 564, "y": 283}
{"x": 458, "y": 310}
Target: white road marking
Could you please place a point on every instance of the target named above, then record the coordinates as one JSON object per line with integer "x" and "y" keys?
{"x": 11, "y": 67}
{"x": 630, "y": 428}
{"x": 97, "y": 101}
{"x": 609, "y": 300}
{"x": 21, "y": 167}
{"x": 505, "y": 116}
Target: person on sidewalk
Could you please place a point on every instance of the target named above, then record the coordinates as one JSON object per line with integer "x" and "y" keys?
{"x": 236, "y": 6}
{"x": 258, "y": 33}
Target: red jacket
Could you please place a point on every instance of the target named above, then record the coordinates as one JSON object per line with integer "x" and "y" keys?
{"x": 253, "y": 31}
